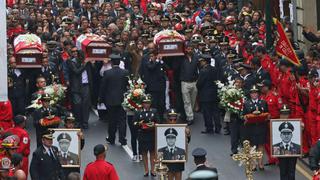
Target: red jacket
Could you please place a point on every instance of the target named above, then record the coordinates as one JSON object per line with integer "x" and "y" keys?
{"x": 6, "y": 115}
{"x": 100, "y": 170}
{"x": 274, "y": 103}
{"x": 284, "y": 85}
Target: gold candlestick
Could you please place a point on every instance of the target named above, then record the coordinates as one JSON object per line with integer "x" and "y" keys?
{"x": 161, "y": 169}
{"x": 247, "y": 157}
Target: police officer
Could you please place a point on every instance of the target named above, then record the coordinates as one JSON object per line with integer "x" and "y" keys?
{"x": 65, "y": 156}
{"x": 45, "y": 164}
{"x": 255, "y": 132}
{"x": 46, "y": 111}
{"x": 247, "y": 76}
{"x": 287, "y": 165}
{"x": 199, "y": 155}
{"x": 259, "y": 73}
{"x": 145, "y": 121}
{"x": 16, "y": 87}
{"x": 207, "y": 93}
{"x": 171, "y": 151}
{"x": 24, "y": 143}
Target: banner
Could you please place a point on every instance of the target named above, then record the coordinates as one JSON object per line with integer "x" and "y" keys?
{"x": 284, "y": 47}
{"x": 3, "y": 53}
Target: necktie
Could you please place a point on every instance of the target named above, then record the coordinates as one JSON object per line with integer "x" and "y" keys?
{"x": 51, "y": 154}
{"x": 171, "y": 150}
{"x": 287, "y": 147}
{"x": 65, "y": 155}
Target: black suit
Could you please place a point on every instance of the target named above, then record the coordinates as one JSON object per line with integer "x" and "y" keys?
{"x": 80, "y": 90}
{"x": 48, "y": 73}
{"x": 17, "y": 92}
{"x": 75, "y": 4}
{"x": 208, "y": 94}
{"x": 113, "y": 86}
{"x": 248, "y": 81}
{"x": 261, "y": 75}
{"x": 153, "y": 74}
{"x": 280, "y": 149}
{"x": 176, "y": 154}
{"x": 44, "y": 166}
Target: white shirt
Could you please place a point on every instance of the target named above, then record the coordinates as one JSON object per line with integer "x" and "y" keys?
{"x": 17, "y": 72}
{"x": 285, "y": 145}
{"x": 84, "y": 76}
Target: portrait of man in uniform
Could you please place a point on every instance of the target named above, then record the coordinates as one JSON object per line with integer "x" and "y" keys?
{"x": 171, "y": 148}
{"x": 68, "y": 149}
{"x": 290, "y": 136}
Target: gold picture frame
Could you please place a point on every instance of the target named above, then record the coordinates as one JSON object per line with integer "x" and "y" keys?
{"x": 278, "y": 139}
{"x": 180, "y": 148}
{"x": 73, "y": 154}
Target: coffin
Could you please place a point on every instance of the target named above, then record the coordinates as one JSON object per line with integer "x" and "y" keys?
{"x": 94, "y": 47}
{"x": 28, "y": 51}
{"x": 169, "y": 43}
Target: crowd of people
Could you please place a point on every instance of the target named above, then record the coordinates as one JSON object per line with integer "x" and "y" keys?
{"x": 223, "y": 42}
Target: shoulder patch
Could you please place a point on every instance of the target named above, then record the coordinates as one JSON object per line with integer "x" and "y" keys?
{"x": 25, "y": 140}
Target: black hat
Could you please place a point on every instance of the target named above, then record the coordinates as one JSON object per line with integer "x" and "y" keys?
{"x": 165, "y": 18}
{"x": 45, "y": 97}
{"x": 313, "y": 73}
{"x": 256, "y": 61}
{"x": 231, "y": 55}
{"x": 119, "y": 44}
{"x": 18, "y": 119}
{"x": 64, "y": 136}
{"x": 177, "y": 18}
{"x": 284, "y": 62}
{"x": 146, "y": 21}
{"x": 199, "y": 152}
{"x": 48, "y": 134}
{"x": 172, "y": 112}
{"x": 99, "y": 149}
{"x": 246, "y": 66}
{"x": 284, "y": 109}
{"x": 204, "y": 57}
{"x": 286, "y": 127}
{"x": 147, "y": 99}
{"x": 254, "y": 89}
{"x": 70, "y": 117}
{"x": 115, "y": 57}
{"x": 171, "y": 132}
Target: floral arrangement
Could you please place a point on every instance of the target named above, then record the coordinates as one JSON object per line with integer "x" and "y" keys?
{"x": 50, "y": 121}
{"x": 56, "y": 92}
{"x": 134, "y": 96}
{"x": 231, "y": 98}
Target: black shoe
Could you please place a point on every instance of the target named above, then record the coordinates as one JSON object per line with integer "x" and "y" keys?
{"x": 146, "y": 174}
{"x": 85, "y": 126}
{"x": 217, "y": 131}
{"x": 305, "y": 155}
{"x": 261, "y": 168}
{"x": 110, "y": 141}
{"x": 123, "y": 143}
{"x": 254, "y": 169}
{"x": 269, "y": 164}
{"x": 226, "y": 133}
{"x": 207, "y": 132}
{"x": 190, "y": 123}
{"x": 153, "y": 175}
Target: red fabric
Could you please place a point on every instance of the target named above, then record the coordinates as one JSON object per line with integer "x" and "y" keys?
{"x": 284, "y": 47}
{"x": 6, "y": 115}
{"x": 274, "y": 73}
{"x": 143, "y": 5}
{"x": 10, "y": 3}
{"x": 284, "y": 85}
{"x": 265, "y": 62}
{"x": 274, "y": 103}
{"x": 100, "y": 170}
{"x": 24, "y": 145}
{"x": 14, "y": 31}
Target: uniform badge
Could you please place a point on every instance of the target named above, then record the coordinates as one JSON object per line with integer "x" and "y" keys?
{"x": 25, "y": 140}
{"x": 5, "y": 163}
{"x": 71, "y": 161}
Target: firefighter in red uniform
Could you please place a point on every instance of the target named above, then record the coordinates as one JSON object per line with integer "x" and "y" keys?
{"x": 284, "y": 82}
{"x": 273, "y": 69}
{"x": 9, "y": 146}
{"x": 314, "y": 100}
{"x": 100, "y": 169}
{"x": 6, "y": 116}
{"x": 274, "y": 105}
{"x": 24, "y": 143}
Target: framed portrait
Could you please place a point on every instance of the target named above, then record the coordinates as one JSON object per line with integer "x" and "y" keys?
{"x": 68, "y": 143}
{"x": 171, "y": 142}
{"x": 286, "y": 137}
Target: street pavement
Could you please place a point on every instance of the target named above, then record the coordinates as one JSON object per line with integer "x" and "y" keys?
{"x": 217, "y": 146}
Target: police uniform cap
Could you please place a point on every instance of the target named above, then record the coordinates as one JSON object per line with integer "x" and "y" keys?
{"x": 45, "y": 97}
{"x": 48, "y": 134}
{"x": 177, "y": 18}
{"x": 51, "y": 43}
{"x": 147, "y": 99}
{"x": 119, "y": 44}
{"x": 165, "y": 18}
{"x": 237, "y": 60}
{"x": 199, "y": 152}
{"x": 246, "y": 66}
{"x": 70, "y": 117}
{"x": 266, "y": 83}
{"x": 64, "y": 136}
{"x": 172, "y": 112}
{"x": 99, "y": 149}
{"x": 254, "y": 89}
{"x": 202, "y": 42}
{"x": 224, "y": 43}
{"x": 204, "y": 57}
{"x": 18, "y": 119}
{"x": 313, "y": 73}
{"x": 114, "y": 57}
{"x": 139, "y": 17}
{"x": 188, "y": 30}
{"x": 203, "y": 175}
{"x": 231, "y": 55}
{"x": 286, "y": 127}
{"x": 146, "y": 21}
{"x": 284, "y": 109}
{"x": 59, "y": 1}
{"x": 171, "y": 132}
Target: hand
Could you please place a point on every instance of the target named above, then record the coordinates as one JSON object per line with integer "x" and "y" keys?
{"x": 315, "y": 172}
{"x": 80, "y": 135}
